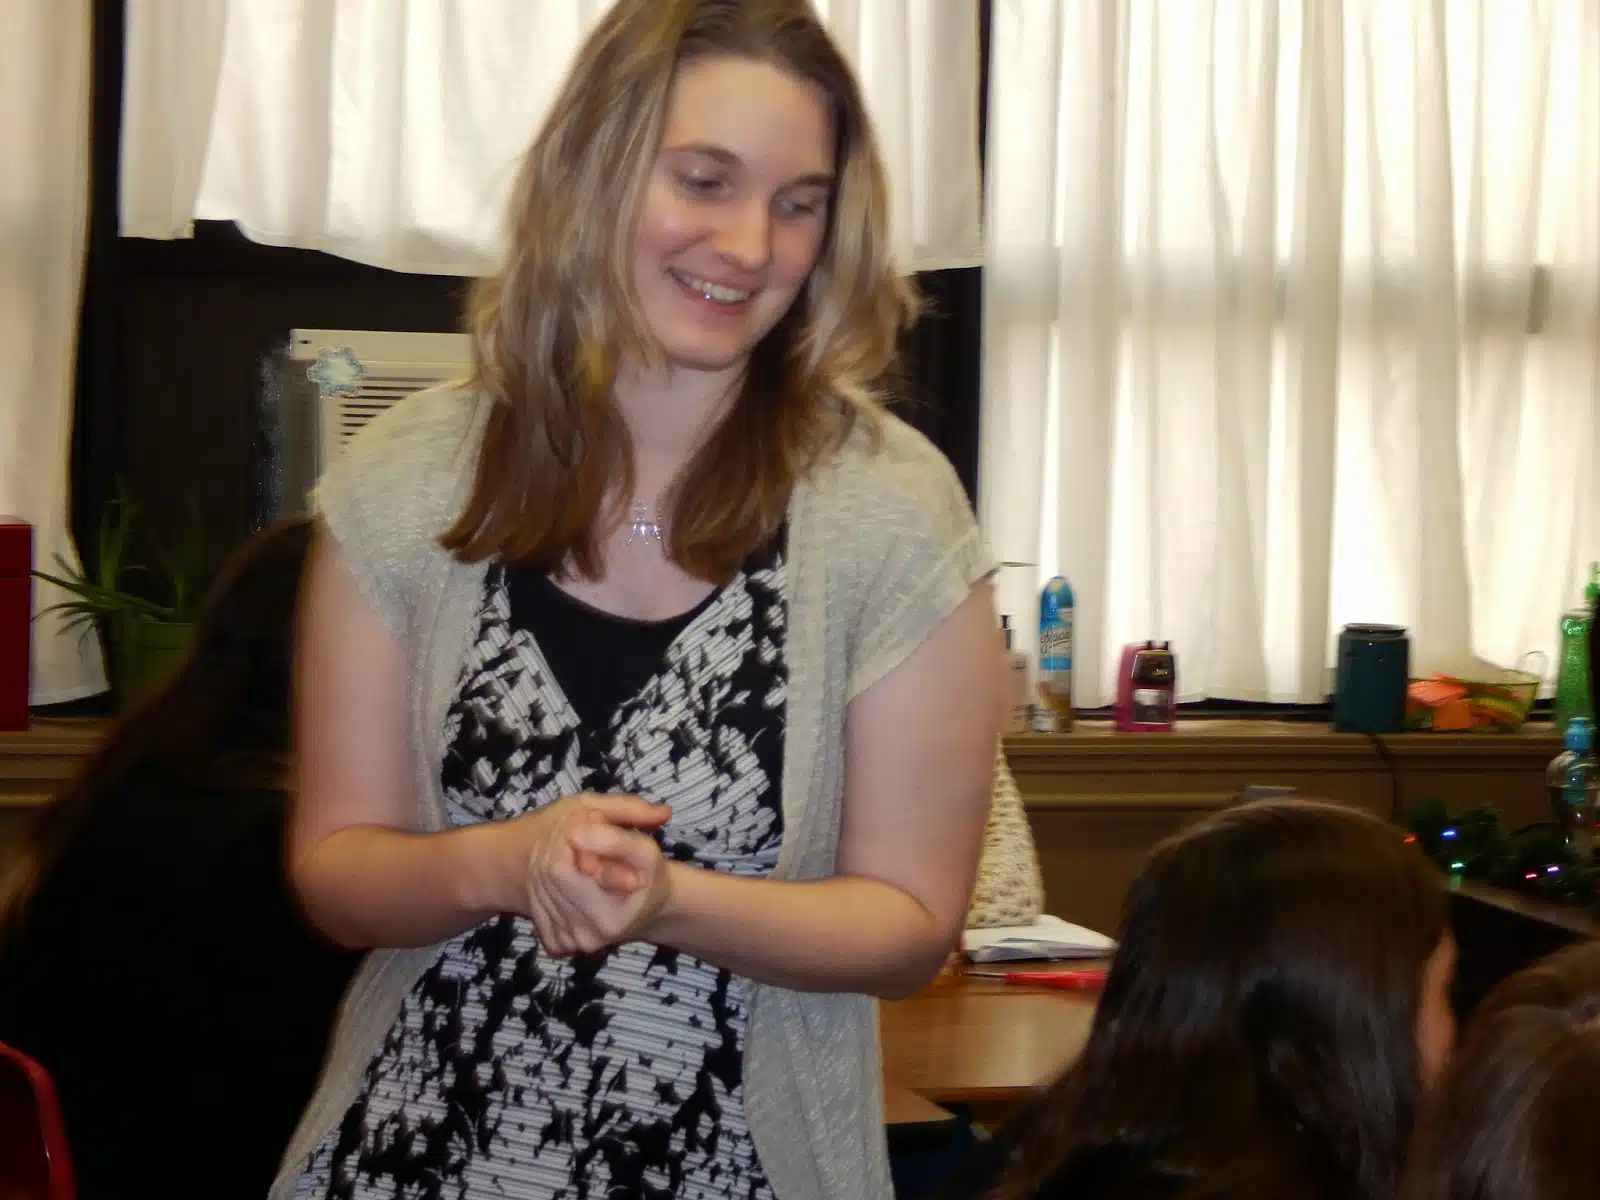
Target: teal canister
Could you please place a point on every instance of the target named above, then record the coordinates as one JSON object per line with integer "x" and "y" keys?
{"x": 1370, "y": 679}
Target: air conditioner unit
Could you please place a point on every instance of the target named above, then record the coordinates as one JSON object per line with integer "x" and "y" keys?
{"x": 360, "y": 373}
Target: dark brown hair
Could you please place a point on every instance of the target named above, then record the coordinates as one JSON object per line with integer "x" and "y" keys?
{"x": 550, "y": 329}
{"x": 222, "y": 719}
{"x": 1257, "y": 1032}
{"x": 1514, "y": 1117}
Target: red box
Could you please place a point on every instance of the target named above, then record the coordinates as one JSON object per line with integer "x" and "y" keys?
{"x": 16, "y": 620}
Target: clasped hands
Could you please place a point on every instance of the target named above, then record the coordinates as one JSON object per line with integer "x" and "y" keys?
{"x": 589, "y": 873}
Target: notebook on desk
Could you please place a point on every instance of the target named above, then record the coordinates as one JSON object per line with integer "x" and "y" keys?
{"x": 1045, "y": 937}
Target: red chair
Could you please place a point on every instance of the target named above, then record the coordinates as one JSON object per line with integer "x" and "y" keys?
{"x": 34, "y": 1162}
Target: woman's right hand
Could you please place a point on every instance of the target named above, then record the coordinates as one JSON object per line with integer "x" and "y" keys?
{"x": 546, "y": 871}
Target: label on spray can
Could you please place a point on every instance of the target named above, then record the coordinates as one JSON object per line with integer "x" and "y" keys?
{"x": 1055, "y": 645}
{"x": 1055, "y": 649}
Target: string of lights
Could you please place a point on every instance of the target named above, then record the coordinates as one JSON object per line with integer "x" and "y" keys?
{"x": 1473, "y": 844}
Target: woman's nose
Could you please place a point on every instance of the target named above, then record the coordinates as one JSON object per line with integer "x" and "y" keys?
{"x": 744, "y": 236}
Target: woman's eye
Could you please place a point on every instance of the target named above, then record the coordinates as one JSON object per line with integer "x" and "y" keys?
{"x": 802, "y": 207}
{"x": 699, "y": 185}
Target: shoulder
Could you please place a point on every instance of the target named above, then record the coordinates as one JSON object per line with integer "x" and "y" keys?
{"x": 419, "y": 445}
{"x": 887, "y": 482}
{"x": 396, "y": 488}
{"x": 899, "y": 539}
{"x": 882, "y": 459}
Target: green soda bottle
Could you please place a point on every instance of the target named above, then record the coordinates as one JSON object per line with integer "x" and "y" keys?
{"x": 1572, "y": 676}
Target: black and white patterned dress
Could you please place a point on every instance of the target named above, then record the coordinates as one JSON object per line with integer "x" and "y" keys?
{"x": 617, "y": 1075}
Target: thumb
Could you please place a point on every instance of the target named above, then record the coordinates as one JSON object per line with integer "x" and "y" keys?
{"x": 617, "y": 878}
{"x": 631, "y": 811}
{"x": 615, "y": 843}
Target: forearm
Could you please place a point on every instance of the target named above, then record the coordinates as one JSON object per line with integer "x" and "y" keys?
{"x": 844, "y": 934}
{"x": 367, "y": 886}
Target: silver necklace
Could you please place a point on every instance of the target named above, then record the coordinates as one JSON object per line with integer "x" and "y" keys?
{"x": 644, "y": 527}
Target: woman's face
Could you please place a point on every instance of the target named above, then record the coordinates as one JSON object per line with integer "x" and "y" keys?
{"x": 735, "y": 211}
{"x": 1436, "y": 1017}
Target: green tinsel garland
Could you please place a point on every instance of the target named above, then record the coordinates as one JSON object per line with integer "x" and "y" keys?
{"x": 1473, "y": 845}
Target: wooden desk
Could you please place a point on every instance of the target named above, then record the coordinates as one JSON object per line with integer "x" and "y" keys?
{"x": 983, "y": 1043}
{"x": 34, "y": 765}
{"x": 1569, "y": 918}
{"x": 903, "y": 1108}
{"x": 1098, "y": 800}
{"x": 1500, "y": 932}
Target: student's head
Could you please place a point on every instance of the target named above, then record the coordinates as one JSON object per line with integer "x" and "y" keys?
{"x": 237, "y": 678}
{"x": 223, "y": 716}
{"x": 705, "y": 201}
{"x": 1514, "y": 1117}
{"x": 1279, "y": 997}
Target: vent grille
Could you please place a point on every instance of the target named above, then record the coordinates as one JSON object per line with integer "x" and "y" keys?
{"x": 392, "y": 366}
{"x": 382, "y": 386}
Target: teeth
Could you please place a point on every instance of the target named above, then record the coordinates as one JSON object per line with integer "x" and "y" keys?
{"x": 715, "y": 291}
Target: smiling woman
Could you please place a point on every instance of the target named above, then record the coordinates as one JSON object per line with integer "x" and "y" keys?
{"x": 649, "y": 689}
{"x": 765, "y": 160}
{"x": 733, "y": 219}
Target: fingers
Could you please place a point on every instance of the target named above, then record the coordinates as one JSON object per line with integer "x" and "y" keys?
{"x": 590, "y": 860}
{"x": 603, "y": 909}
{"x": 628, "y": 810}
{"x": 619, "y": 860}
{"x": 624, "y": 846}
{"x": 613, "y": 876}
{"x": 617, "y": 878}
{"x": 561, "y": 920}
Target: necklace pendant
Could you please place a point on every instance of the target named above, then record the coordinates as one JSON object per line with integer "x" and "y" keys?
{"x": 643, "y": 528}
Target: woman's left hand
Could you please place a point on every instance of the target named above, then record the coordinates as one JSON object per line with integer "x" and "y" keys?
{"x": 630, "y": 875}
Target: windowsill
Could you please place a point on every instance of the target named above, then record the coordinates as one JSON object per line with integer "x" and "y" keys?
{"x": 51, "y": 750}
{"x": 1099, "y": 740}
{"x": 36, "y": 763}
{"x": 1204, "y": 763}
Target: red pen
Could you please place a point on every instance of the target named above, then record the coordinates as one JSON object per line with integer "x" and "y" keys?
{"x": 1083, "y": 979}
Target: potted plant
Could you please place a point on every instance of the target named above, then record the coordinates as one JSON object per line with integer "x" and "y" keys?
{"x": 144, "y": 639}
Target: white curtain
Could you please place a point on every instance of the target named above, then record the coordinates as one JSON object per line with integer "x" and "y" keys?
{"x": 1293, "y": 320}
{"x": 386, "y": 131}
{"x": 44, "y": 197}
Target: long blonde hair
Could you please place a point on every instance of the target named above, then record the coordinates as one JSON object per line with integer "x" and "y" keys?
{"x": 550, "y": 329}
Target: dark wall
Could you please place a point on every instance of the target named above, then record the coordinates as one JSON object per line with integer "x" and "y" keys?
{"x": 941, "y": 366}
{"x": 168, "y": 400}
{"x": 173, "y": 335}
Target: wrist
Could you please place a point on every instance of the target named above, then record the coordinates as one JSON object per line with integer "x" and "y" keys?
{"x": 678, "y": 883}
{"x": 490, "y": 870}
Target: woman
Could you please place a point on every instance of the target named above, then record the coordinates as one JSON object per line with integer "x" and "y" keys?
{"x": 1279, "y": 997}
{"x": 152, "y": 958}
{"x": 1514, "y": 1116}
{"x": 649, "y": 691}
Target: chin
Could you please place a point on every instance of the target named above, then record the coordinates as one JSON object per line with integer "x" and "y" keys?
{"x": 696, "y": 354}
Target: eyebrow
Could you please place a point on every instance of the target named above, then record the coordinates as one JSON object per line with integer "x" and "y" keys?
{"x": 729, "y": 159}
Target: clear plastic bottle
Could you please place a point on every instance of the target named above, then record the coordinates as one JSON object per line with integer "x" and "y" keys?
{"x": 1019, "y": 700}
{"x": 1579, "y": 809}
{"x": 1555, "y": 785}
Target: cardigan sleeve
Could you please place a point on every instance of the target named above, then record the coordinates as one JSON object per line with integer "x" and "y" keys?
{"x": 918, "y": 549}
{"x": 393, "y": 491}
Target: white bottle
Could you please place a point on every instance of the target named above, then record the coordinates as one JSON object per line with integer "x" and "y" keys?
{"x": 1018, "y": 694}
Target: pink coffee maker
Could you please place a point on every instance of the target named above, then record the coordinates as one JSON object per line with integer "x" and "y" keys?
{"x": 1147, "y": 688}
